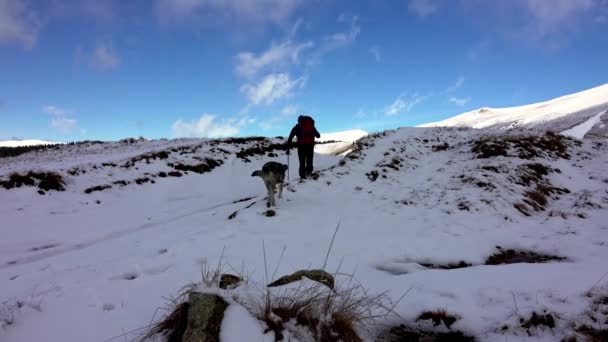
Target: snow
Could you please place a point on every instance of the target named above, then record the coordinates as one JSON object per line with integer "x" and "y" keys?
{"x": 579, "y": 131}
{"x": 107, "y": 259}
{"x": 238, "y": 325}
{"x": 343, "y": 141}
{"x": 529, "y": 114}
{"x": 17, "y": 143}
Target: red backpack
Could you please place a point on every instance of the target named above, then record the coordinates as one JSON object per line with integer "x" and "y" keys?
{"x": 307, "y": 131}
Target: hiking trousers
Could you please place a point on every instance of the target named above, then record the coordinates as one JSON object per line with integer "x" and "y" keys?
{"x": 305, "y": 155}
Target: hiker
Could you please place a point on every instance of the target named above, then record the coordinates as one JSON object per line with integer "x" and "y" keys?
{"x": 306, "y": 132}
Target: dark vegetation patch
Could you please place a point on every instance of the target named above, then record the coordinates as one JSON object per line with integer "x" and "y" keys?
{"x": 394, "y": 164}
{"x": 174, "y": 174}
{"x": 121, "y": 182}
{"x": 532, "y": 175}
{"x": 270, "y": 213}
{"x": 438, "y": 317}
{"x": 96, "y": 188}
{"x": 206, "y": 166}
{"x": 339, "y": 328}
{"x": 18, "y": 150}
{"x": 524, "y": 147}
{"x": 240, "y": 141}
{"x": 593, "y": 334}
{"x": 440, "y": 147}
{"x": 43, "y": 180}
{"x": 43, "y": 247}
{"x": 142, "y": 180}
{"x": 477, "y": 182}
{"x": 490, "y": 168}
{"x": 262, "y": 148}
{"x": 162, "y": 174}
{"x": 511, "y": 256}
{"x": 373, "y": 175}
{"x": 537, "y": 321}
{"x": 448, "y": 266}
{"x": 147, "y": 157}
{"x": 403, "y": 333}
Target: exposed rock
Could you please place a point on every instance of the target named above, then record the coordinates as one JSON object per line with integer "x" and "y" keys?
{"x": 229, "y": 281}
{"x": 319, "y": 276}
{"x": 205, "y": 315}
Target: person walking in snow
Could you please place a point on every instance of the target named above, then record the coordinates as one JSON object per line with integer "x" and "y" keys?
{"x": 306, "y": 133}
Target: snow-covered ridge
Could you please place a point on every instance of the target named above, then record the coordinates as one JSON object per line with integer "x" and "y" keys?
{"x": 532, "y": 114}
{"x": 32, "y": 142}
{"x": 341, "y": 142}
{"x": 410, "y": 202}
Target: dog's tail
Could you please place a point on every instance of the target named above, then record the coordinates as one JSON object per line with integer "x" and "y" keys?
{"x": 257, "y": 173}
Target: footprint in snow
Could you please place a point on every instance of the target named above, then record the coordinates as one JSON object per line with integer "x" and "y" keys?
{"x": 156, "y": 270}
{"x": 127, "y": 276}
{"x": 163, "y": 251}
{"x": 108, "y": 307}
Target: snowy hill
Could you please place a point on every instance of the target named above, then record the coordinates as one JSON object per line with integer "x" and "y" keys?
{"x": 559, "y": 114}
{"x": 17, "y": 143}
{"x": 338, "y": 142}
{"x": 495, "y": 229}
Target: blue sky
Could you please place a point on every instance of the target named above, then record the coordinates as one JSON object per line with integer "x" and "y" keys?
{"x": 109, "y": 69}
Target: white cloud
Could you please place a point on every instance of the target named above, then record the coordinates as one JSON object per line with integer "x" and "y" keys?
{"x": 208, "y": 126}
{"x": 272, "y": 88}
{"x": 459, "y": 83}
{"x": 549, "y": 16}
{"x": 55, "y": 111}
{"x": 64, "y": 125}
{"x": 289, "y": 110}
{"x": 341, "y": 39}
{"x": 422, "y": 8}
{"x": 18, "y": 24}
{"x": 459, "y": 101}
{"x": 280, "y": 60}
{"x": 360, "y": 114}
{"x": 278, "y": 55}
{"x": 104, "y": 58}
{"x": 375, "y": 51}
{"x": 403, "y": 104}
{"x": 60, "y": 120}
{"x": 260, "y": 11}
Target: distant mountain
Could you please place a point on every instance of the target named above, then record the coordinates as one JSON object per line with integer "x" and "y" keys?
{"x": 560, "y": 114}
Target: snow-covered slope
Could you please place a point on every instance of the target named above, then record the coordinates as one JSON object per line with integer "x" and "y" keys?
{"x": 559, "y": 114}
{"x": 338, "y": 142}
{"x": 421, "y": 211}
{"x": 17, "y": 143}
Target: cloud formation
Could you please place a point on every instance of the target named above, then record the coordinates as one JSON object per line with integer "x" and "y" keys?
{"x": 207, "y": 126}
{"x": 459, "y": 101}
{"x": 104, "y": 58}
{"x": 422, "y": 8}
{"x": 256, "y": 11}
{"x": 375, "y": 51}
{"x": 271, "y": 88}
{"x": 278, "y": 55}
{"x": 268, "y": 73}
{"x": 18, "y": 24}
{"x": 403, "y": 104}
{"x": 60, "y": 120}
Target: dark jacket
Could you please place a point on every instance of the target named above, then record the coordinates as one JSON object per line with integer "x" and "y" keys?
{"x": 297, "y": 132}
